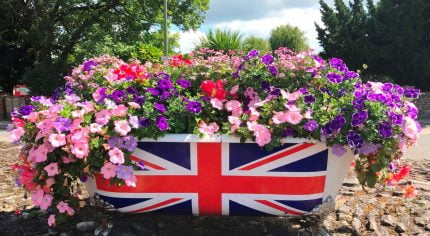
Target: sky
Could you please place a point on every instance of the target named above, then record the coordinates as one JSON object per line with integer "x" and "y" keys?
{"x": 257, "y": 17}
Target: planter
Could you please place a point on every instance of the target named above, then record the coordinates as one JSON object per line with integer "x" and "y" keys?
{"x": 221, "y": 176}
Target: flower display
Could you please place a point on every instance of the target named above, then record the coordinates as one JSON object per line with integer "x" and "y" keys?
{"x": 93, "y": 125}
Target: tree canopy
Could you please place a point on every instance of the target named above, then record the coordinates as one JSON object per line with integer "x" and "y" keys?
{"x": 288, "y": 36}
{"x": 391, "y": 37}
{"x": 221, "y": 39}
{"x": 40, "y": 37}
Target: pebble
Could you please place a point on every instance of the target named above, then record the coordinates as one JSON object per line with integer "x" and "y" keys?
{"x": 398, "y": 193}
{"x": 87, "y": 226}
{"x": 344, "y": 209}
{"x": 388, "y": 220}
{"x": 428, "y": 227}
{"x": 372, "y": 225}
{"x": 420, "y": 222}
{"x": 356, "y": 225}
{"x": 400, "y": 228}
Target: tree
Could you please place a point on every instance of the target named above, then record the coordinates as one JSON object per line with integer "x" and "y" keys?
{"x": 43, "y": 34}
{"x": 393, "y": 38}
{"x": 221, "y": 39}
{"x": 254, "y": 42}
{"x": 288, "y": 36}
{"x": 345, "y": 32}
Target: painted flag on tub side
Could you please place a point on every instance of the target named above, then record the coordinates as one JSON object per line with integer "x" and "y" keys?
{"x": 222, "y": 179}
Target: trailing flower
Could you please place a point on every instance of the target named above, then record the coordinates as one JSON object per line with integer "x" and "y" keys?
{"x": 92, "y": 125}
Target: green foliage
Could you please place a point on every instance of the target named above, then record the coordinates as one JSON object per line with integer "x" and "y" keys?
{"x": 391, "y": 37}
{"x": 254, "y": 42}
{"x": 43, "y": 35}
{"x": 288, "y": 36}
{"x": 221, "y": 39}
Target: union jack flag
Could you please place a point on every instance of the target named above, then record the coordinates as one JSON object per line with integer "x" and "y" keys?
{"x": 217, "y": 178}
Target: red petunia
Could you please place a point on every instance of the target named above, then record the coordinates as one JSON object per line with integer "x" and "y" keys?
{"x": 213, "y": 89}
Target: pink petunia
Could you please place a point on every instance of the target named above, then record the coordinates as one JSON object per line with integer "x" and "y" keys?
{"x": 108, "y": 170}
{"x": 95, "y": 128}
{"x": 33, "y": 117}
{"x": 293, "y": 117}
{"x": 122, "y": 127}
{"x": 63, "y": 207}
{"x": 103, "y": 117}
{"x": 116, "y": 156}
{"x": 218, "y": 104}
{"x": 40, "y": 154}
{"x": 279, "y": 117}
{"x": 234, "y": 89}
{"x": 208, "y": 129}
{"x": 120, "y": 111}
{"x": 234, "y": 106}
{"x": 46, "y": 201}
{"x": 57, "y": 140}
{"x": 52, "y": 169}
{"x": 16, "y": 134}
{"x": 80, "y": 150}
{"x": 131, "y": 182}
{"x": 37, "y": 197}
{"x": 51, "y": 220}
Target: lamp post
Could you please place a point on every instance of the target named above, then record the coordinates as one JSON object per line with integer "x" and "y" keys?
{"x": 166, "y": 46}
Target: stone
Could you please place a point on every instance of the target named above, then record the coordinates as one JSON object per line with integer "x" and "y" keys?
{"x": 356, "y": 225}
{"x": 359, "y": 212}
{"x": 342, "y": 216}
{"x": 420, "y": 222}
{"x": 388, "y": 220}
{"x": 400, "y": 228}
{"x": 372, "y": 225}
{"x": 398, "y": 193}
{"x": 86, "y": 226}
{"x": 427, "y": 227}
{"x": 344, "y": 209}
{"x": 351, "y": 182}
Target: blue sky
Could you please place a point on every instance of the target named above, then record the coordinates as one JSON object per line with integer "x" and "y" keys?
{"x": 258, "y": 17}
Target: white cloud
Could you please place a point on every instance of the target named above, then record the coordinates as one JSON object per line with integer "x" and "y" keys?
{"x": 303, "y": 18}
{"x": 188, "y": 40}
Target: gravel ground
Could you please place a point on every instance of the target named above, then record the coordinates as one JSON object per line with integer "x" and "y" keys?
{"x": 357, "y": 213}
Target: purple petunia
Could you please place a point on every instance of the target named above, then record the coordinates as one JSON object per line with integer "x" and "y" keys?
{"x": 144, "y": 122}
{"x": 396, "y": 118}
{"x": 338, "y": 122}
{"x": 311, "y": 125}
{"x": 359, "y": 118}
{"x": 265, "y": 86}
{"x": 252, "y": 53}
{"x": 124, "y": 172}
{"x": 62, "y": 124}
{"x": 153, "y": 91}
{"x": 163, "y": 75}
{"x": 131, "y": 90}
{"x": 138, "y": 99}
{"x": 115, "y": 141}
{"x": 130, "y": 143}
{"x": 273, "y": 70}
{"x": 358, "y": 103}
{"x": 354, "y": 139}
{"x": 351, "y": 75}
{"x": 184, "y": 83}
{"x": 88, "y": 65}
{"x": 194, "y": 107}
{"x": 309, "y": 99}
{"x": 26, "y": 110}
{"x": 267, "y": 59}
{"x": 118, "y": 96}
{"x": 338, "y": 64}
{"x": 160, "y": 107}
{"x": 164, "y": 84}
{"x": 287, "y": 132}
{"x": 162, "y": 123}
{"x": 410, "y": 92}
{"x": 385, "y": 129}
{"x": 334, "y": 78}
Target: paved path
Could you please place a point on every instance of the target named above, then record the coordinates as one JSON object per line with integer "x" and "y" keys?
{"x": 422, "y": 150}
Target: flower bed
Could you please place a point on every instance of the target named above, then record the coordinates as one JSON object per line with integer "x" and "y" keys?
{"x": 93, "y": 124}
